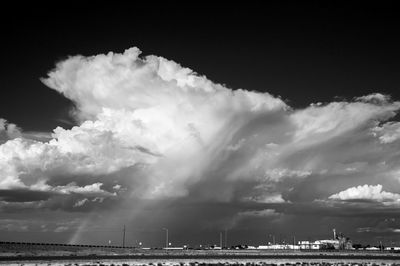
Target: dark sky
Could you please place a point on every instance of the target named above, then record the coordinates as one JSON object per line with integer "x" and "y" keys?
{"x": 304, "y": 53}
{"x": 293, "y": 169}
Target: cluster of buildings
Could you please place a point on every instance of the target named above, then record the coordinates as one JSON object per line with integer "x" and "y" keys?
{"x": 312, "y": 245}
{"x": 339, "y": 241}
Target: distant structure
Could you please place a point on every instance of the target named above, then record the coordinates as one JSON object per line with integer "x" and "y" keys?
{"x": 344, "y": 242}
{"x": 279, "y": 247}
{"x": 339, "y": 241}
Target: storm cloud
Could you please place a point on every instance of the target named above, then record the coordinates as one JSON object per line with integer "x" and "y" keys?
{"x": 150, "y": 130}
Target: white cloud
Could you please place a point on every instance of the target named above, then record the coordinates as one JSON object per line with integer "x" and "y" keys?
{"x": 376, "y": 98}
{"x": 161, "y": 130}
{"x": 117, "y": 187}
{"x": 259, "y": 213}
{"x": 366, "y": 192}
{"x": 93, "y": 189}
{"x": 266, "y": 198}
{"x": 133, "y": 112}
{"x": 61, "y": 229}
{"x": 279, "y": 173}
{"x": 317, "y": 123}
{"x": 80, "y": 203}
{"x": 8, "y": 131}
{"x": 388, "y": 132}
{"x": 98, "y": 199}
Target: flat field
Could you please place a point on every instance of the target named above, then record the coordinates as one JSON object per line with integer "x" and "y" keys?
{"x": 37, "y": 252}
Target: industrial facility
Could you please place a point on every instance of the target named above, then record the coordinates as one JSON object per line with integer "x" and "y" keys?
{"x": 339, "y": 242}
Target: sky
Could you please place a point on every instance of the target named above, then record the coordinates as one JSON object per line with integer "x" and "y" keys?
{"x": 275, "y": 120}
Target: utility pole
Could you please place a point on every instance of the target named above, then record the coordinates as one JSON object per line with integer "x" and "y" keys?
{"x": 123, "y": 238}
{"x": 273, "y": 239}
{"x": 294, "y": 242}
{"x": 166, "y": 237}
{"x": 220, "y": 239}
{"x": 226, "y": 238}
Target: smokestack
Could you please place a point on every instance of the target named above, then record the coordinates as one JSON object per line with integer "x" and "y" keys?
{"x": 334, "y": 233}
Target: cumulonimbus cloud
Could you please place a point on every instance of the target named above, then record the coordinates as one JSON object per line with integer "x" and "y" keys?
{"x": 155, "y": 129}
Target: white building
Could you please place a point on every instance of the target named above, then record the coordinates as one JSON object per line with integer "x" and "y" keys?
{"x": 309, "y": 245}
{"x": 279, "y": 247}
{"x": 319, "y": 244}
{"x": 392, "y": 248}
{"x": 372, "y": 248}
